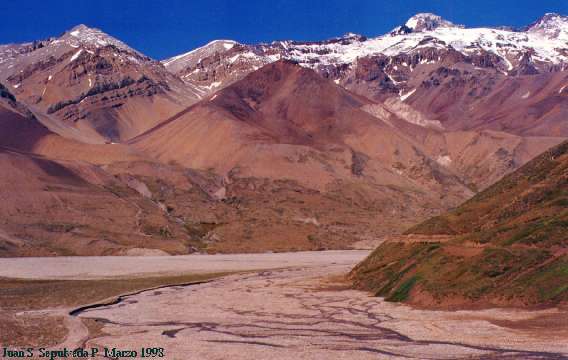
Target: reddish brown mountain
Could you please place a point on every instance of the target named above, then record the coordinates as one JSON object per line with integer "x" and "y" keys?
{"x": 293, "y": 119}
{"x": 465, "y": 98}
{"x": 285, "y": 123}
{"x": 23, "y": 132}
{"x": 92, "y": 87}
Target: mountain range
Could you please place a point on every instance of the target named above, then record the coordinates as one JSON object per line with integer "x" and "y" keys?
{"x": 267, "y": 147}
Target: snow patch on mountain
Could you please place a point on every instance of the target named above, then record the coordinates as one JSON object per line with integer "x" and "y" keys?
{"x": 407, "y": 95}
{"x": 76, "y": 55}
{"x": 444, "y": 160}
{"x": 193, "y": 57}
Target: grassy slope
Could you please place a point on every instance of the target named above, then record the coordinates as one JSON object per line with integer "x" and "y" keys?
{"x": 509, "y": 246}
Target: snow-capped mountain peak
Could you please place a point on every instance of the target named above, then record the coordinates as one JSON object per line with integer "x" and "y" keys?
{"x": 552, "y": 26}
{"x": 81, "y": 28}
{"x": 82, "y": 35}
{"x": 428, "y": 22}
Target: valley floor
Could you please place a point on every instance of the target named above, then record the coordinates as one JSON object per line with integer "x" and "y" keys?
{"x": 298, "y": 307}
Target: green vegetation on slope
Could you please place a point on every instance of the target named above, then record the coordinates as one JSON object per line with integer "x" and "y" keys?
{"x": 509, "y": 246}
{"x": 535, "y": 196}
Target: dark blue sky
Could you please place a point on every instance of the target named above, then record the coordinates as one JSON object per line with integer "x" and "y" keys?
{"x": 165, "y": 28}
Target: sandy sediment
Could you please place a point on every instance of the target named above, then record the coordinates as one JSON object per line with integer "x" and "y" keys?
{"x": 97, "y": 267}
{"x": 291, "y": 313}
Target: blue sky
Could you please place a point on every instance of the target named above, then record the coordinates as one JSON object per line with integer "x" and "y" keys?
{"x": 165, "y": 28}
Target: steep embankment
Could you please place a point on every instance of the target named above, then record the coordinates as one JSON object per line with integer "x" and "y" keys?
{"x": 506, "y": 246}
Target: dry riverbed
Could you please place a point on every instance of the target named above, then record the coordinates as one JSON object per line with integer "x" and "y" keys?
{"x": 297, "y": 307}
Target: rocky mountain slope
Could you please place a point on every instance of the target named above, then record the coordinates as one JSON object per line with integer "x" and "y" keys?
{"x": 58, "y": 199}
{"x": 505, "y": 246}
{"x": 23, "y": 132}
{"x": 91, "y": 86}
